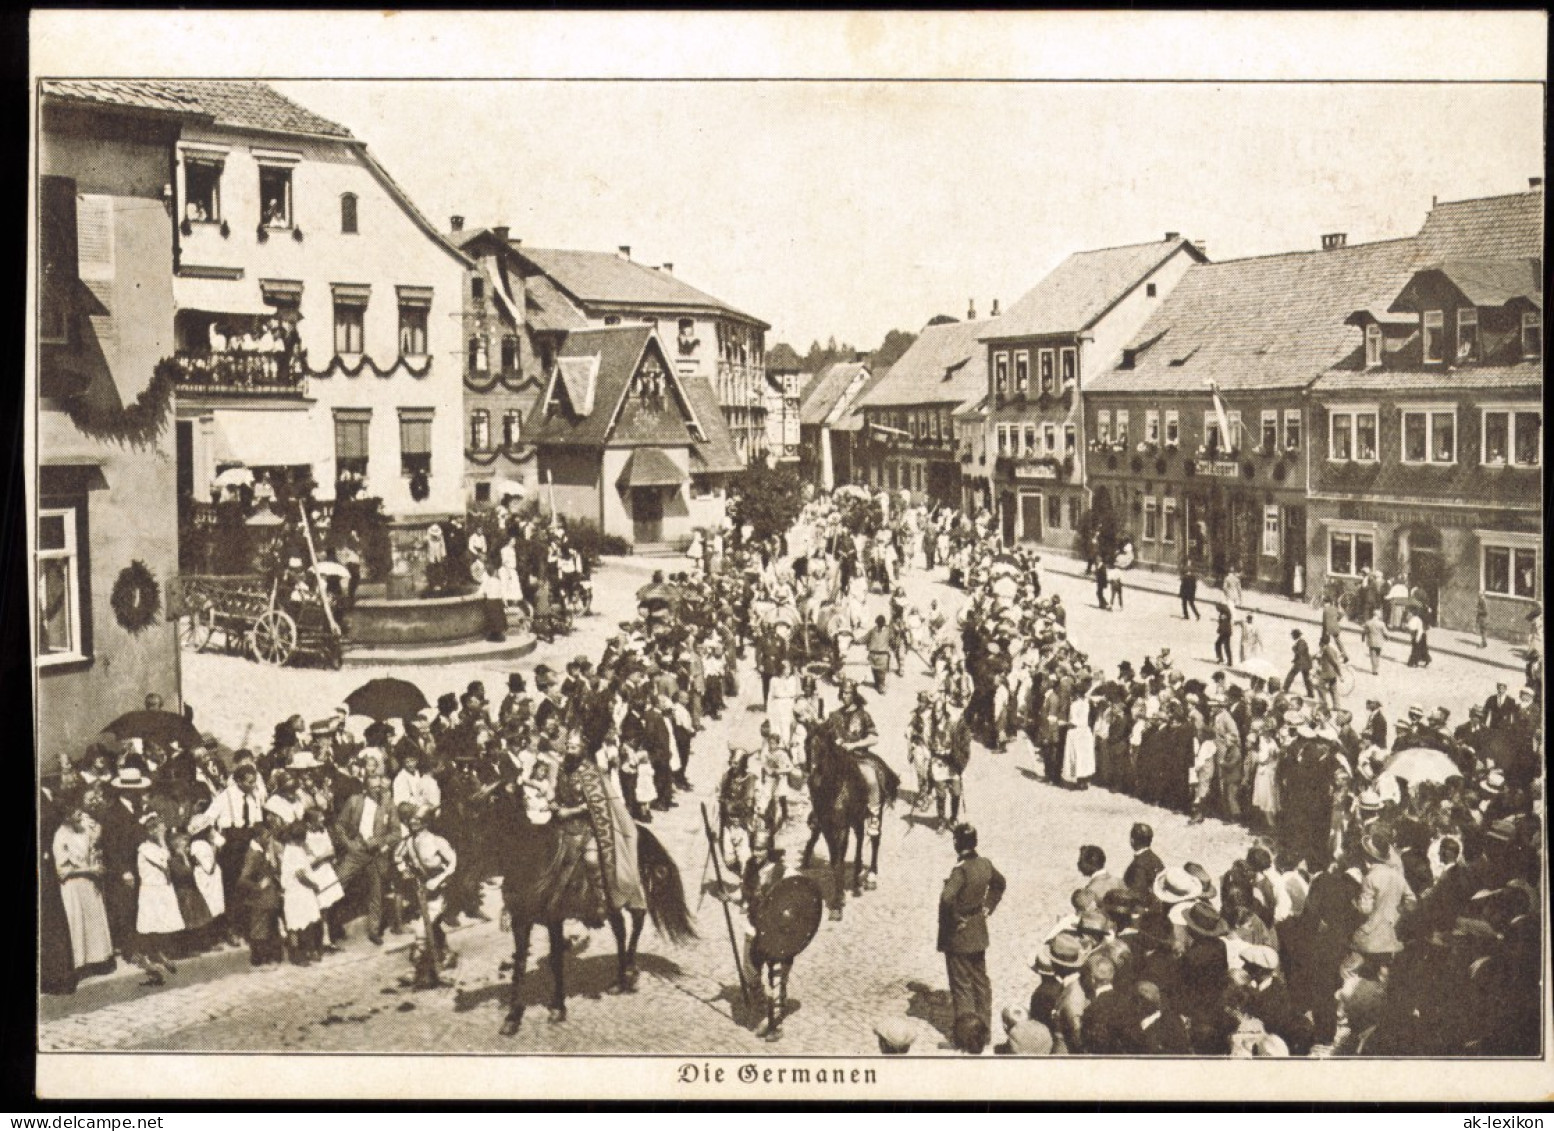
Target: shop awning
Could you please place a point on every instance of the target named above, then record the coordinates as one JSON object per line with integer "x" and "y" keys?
{"x": 651, "y": 467}
{"x": 265, "y": 439}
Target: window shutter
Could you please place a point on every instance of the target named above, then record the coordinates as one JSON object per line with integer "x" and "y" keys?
{"x": 415, "y": 431}
{"x": 94, "y": 236}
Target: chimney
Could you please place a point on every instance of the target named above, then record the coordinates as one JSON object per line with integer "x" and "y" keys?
{"x": 1202, "y": 246}
{"x": 667, "y": 268}
{"x": 1334, "y": 240}
{"x": 971, "y": 310}
{"x": 994, "y": 314}
{"x": 456, "y": 223}
{"x": 500, "y": 233}
{"x": 1535, "y": 182}
{"x": 1173, "y": 236}
{"x": 625, "y": 252}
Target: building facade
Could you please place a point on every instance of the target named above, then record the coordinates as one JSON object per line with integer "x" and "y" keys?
{"x": 319, "y": 316}
{"x": 828, "y": 428}
{"x": 708, "y": 338}
{"x": 626, "y": 444}
{"x": 909, "y": 440}
{"x": 1428, "y": 444}
{"x": 106, "y": 535}
{"x": 1073, "y": 323}
{"x": 784, "y": 385}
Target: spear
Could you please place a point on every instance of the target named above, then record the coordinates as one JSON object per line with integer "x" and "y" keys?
{"x": 728, "y": 916}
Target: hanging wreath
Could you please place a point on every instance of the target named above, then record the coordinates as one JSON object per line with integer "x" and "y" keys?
{"x": 420, "y": 486}
{"x": 137, "y": 424}
{"x": 136, "y": 598}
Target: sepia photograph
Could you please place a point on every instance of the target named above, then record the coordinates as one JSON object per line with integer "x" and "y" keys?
{"x": 597, "y": 568}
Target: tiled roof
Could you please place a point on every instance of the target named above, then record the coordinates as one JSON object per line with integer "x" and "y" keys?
{"x": 852, "y": 419}
{"x": 717, "y": 454}
{"x": 1527, "y": 377}
{"x": 1270, "y": 322}
{"x": 1492, "y": 227}
{"x": 579, "y": 377}
{"x": 604, "y": 278}
{"x": 821, "y": 395}
{"x": 548, "y": 308}
{"x": 971, "y": 409}
{"x": 617, "y": 350}
{"x": 783, "y": 357}
{"x": 947, "y": 364}
{"x": 1484, "y": 282}
{"x": 1083, "y": 287}
{"x": 247, "y": 105}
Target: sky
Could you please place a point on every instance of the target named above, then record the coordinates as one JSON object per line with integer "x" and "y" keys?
{"x": 850, "y": 209}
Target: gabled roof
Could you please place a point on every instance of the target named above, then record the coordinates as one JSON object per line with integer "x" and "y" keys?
{"x": 783, "y": 358}
{"x": 548, "y": 308}
{"x": 601, "y": 278}
{"x": 615, "y": 352}
{"x": 242, "y": 105}
{"x": 579, "y": 377}
{"x": 947, "y": 364}
{"x": 1491, "y": 227}
{"x": 1269, "y": 322}
{"x": 1081, "y": 289}
{"x": 819, "y": 399}
{"x": 851, "y": 419}
{"x": 715, "y": 455}
{"x": 1482, "y": 282}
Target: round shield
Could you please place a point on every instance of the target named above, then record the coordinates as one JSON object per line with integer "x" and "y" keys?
{"x": 789, "y": 917}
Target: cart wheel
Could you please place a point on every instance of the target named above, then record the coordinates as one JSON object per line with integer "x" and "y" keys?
{"x": 273, "y": 638}
{"x": 196, "y": 630}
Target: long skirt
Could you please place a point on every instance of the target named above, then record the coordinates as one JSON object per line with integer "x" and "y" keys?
{"x": 90, "y": 941}
{"x": 1419, "y": 653}
{"x": 1079, "y": 755}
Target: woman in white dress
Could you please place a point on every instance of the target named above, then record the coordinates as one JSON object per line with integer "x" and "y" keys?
{"x": 780, "y": 699}
{"x": 299, "y": 895}
{"x": 156, "y": 911}
{"x": 207, "y": 875}
{"x": 1265, "y": 773}
{"x": 78, "y": 859}
{"x": 321, "y": 852}
{"x": 1079, "y": 745}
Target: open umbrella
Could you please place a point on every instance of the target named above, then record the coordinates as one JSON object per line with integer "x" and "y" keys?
{"x": 386, "y": 698}
{"x": 850, "y": 491}
{"x": 1259, "y": 667}
{"x": 235, "y": 477}
{"x": 1005, "y": 586}
{"x": 161, "y": 727}
{"x": 655, "y": 592}
{"x": 502, "y": 488}
{"x": 1421, "y": 764}
{"x": 332, "y": 569}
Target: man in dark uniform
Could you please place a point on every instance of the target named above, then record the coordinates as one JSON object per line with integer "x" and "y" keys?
{"x": 971, "y": 893}
{"x": 762, "y": 872}
{"x": 459, "y": 820}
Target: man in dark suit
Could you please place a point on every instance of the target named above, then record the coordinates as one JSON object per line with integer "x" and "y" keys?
{"x": 971, "y": 893}
{"x": 1110, "y": 1016}
{"x": 1145, "y": 865}
{"x": 1375, "y": 729}
{"x": 365, "y": 833}
{"x": 1188, "y": 591}
{"x": 1500, "y": 709}
{"x": 660, "y": 742}
{"x": 1300, "y": 662}
{"x": 1160, "y": 1030}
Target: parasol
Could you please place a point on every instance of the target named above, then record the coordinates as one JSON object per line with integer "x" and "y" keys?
{"x": 1005, "y": 586}
{"x": 1421, "y": 764}
{"x": 332, "y": 569}
{"x": 502, "y": 488}
{"x": 386, "y": 698}
{"x": 1260, "y": 667}
{"x": 235, "y": 477}
{"x": 1397, "y": 593}
{"x": 161, "y": 727}
{"x": 850, "y": 491}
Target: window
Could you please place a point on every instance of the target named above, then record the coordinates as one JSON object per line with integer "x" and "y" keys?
{"x": 1151, "y": 518}
{"x": 1433, "y": 323}
{"x": 1030, "y": 439}
{"x": 1349, "y": 552}
{"x": 1150, "y": 290}
{"x": 612, "y": 319}
{"x": 1271, "y": 530}
{"x": 1044, "y": 370}
{"x": 1532, "y": 334}
{"x": 415, "y": 441}
{"x": 1003, "y": 439}
{"x": 1168, "y": 522}
{"x": 1173, "y": 427}
{"x": 1372, "y": 345}
{"x": 61, "y": 601}
{"x": 1509, "y": 570}
{"x": 201, "y": 191}
{"x": 478, "y": 354}
{"x": 480, "y": 430}
{"x": 1365, "y": 436}
{"x": 348, "y": 213}
{"x": 412, "y": 331}
{"x": 1429, "y": 437}
{"x": 1049, "y": 436}
{"x": 1467, "y": 334}
{"x": 1270, "y": 430}
{"x": 351, "y": 429}
{"x": 1352, "y": 435}
{"x": 1073, "y": 512}
{"x": 477, "y": 287}
{"x": 1152, "y": 426}
{"x": 1122, "y": 426}
{"x": 1054, "y": 512}
{"x": 509, "y": 353}
{"x": 1070, "y": 439}
{"x": 1212, "y": 438}
{"x": 1001, "y": 373}
{"x": 1022, "y": 371}
{"x": 1069, "y": 365}
{"x": 1103, "y": 426}
{"x": 275, "y": 196}
{"x": 349, "y": 317}
{"x": 1340, "y": 436}
{"x": 1512, "y": 437}
{"x": 1291, "y": 429}
{"x": 483, "y": 491}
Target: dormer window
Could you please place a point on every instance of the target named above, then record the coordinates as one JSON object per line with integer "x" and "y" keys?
{"x": 1467, "y": 334}
{"x": 1372, "y": 346}
{"x": 1433, "y": 329}
{"x": 1532, "y": 334}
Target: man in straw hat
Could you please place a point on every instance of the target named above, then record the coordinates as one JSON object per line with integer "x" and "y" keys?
{"x": 1384, "y": 896}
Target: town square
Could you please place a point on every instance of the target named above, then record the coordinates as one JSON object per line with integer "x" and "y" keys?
{"x": 456, "y": 633}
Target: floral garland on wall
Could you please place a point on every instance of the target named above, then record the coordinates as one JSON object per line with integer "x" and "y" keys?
{"x": 136, "y": 597}
{"x": 365, "y": 362}
{"x": 137, "y": 424}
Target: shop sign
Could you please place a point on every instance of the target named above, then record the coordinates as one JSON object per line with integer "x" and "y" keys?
{"x": 1218, "y": 469}
{"x": 1035, "y": 471}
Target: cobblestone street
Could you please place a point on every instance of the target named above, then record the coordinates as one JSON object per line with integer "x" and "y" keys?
{"x": 878, "y": 962}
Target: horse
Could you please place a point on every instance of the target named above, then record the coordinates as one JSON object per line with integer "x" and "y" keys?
{"x": 839, "y": 788}
{"x": 528, "y": 851}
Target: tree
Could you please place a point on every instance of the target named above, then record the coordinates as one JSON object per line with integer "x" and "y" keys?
{"x": 766, "y": 498}
{"x": 942, "y": 320}
{"x": 896, "y": 343}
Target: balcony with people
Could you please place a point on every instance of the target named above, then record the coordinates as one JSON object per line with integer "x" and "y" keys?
{"x": 237, "y": 355}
